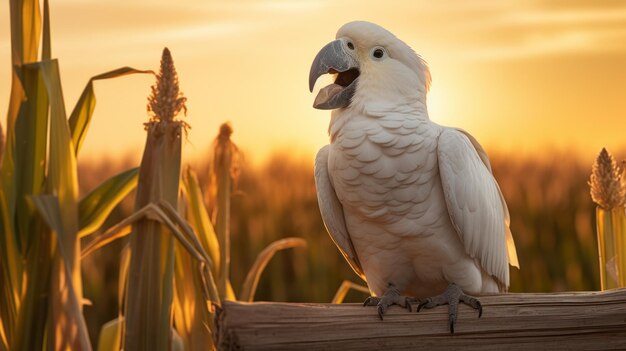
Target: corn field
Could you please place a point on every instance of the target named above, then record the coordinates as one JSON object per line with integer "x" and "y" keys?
{"x": 553, "y": 220}
{"x": 133, "y": 255}
{"x": 174, "y": 266}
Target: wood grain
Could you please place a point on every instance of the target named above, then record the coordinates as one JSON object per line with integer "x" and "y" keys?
{"x": 544, "y": 321}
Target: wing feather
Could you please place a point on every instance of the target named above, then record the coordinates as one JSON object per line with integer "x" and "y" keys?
{"x": 510, "y": 243}
{"x": 332, "y": 212}
{"x": 475, "y": 203}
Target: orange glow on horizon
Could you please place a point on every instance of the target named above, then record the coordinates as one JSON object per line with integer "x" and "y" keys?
{"x": 520, "y": 77}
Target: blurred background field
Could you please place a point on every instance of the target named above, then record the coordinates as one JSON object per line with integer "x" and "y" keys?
{"x": 552, "y": 219}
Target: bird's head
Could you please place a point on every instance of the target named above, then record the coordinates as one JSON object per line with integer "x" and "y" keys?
{"x": 369, "y": 63}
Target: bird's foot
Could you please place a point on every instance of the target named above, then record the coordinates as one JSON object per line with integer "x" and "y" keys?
{"x": 451, "y": 297}
{"x": 390, "y": 297}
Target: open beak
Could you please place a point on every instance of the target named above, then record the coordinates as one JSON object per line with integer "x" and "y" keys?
{"x": 334, "y": 59}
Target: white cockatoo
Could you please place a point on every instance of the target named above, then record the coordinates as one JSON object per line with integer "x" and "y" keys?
{"x": 412, "y": 205}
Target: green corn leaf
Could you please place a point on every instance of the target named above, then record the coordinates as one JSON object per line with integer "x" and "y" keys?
{"x": 46, "y": 50}
{"x": 62, "y": 171}
{"x": 10, "y": 252}
{"x": 252, "y": 279}
{"x": 95, "y": 207}
{"x": 115, "y": 232}
{"x": 29, "y": 152}
{"x": 199, "y": 219}
{"x": 69, "y": 302}
{"x": 49, "y": 209}
{"x": 10, "y": 259}
{"x": 8, "y": 160}
{"x": 23, "y": 169}
{"x": 25, "y": 30}
{"x": 83, "y": 111}
{"x": 62, "y": 181}
{"x": 25, "y": 34}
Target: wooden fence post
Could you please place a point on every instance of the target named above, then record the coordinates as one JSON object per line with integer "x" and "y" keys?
{"x": 548, "y": 321}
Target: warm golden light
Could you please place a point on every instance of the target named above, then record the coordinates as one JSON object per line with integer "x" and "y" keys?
{"x": 519, "y": 76}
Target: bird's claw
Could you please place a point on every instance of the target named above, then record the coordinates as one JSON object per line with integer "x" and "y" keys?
{"x": 381, "y": 311}
{"x": 451, "y": 297}
{"x": 371, "y": 301}
{"x": 424, "y": 303}
{"x": 390, "y": 297}
{"x": 409, "y": 301}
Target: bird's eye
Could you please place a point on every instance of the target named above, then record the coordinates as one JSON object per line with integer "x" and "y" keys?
{"x": 350, "y": 45}
{"x": 378, "y": 53}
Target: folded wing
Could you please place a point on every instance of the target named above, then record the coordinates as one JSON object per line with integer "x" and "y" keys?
{"x": 332, "y": 212}
{"x": 475, "y": 204}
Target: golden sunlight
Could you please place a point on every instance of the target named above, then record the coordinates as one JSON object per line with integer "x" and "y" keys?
{"x": 517, "y": 75}
{"x": 136, "y": 204}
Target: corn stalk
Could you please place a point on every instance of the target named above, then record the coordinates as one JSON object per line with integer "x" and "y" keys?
{"x": 196, "y": 252}
{"x": 41, "y": 215}
{"x": 224, "y": 173}
{"x": 148, "y": 312}
{"x": 166, "y": 215}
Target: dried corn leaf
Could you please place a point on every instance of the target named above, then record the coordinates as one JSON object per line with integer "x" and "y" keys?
{"x": 199, "y": 219}
{"x": 191, "y": 313}
{"x": 252, "y": 279}
{"x": 345, "y": 287}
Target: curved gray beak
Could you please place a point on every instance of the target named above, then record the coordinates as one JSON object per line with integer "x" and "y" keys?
{"x": 333, "y": 58}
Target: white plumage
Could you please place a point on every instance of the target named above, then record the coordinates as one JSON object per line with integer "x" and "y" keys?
{"x": 407, "y": 201}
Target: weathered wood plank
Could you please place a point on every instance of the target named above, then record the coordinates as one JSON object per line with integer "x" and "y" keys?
{"x": 555, "y": 321}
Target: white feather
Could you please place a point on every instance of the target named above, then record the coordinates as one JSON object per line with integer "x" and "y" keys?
{"x": 332, "y": 212}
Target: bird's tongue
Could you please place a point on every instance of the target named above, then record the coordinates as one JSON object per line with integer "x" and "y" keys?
{"x": 326, "y": 94}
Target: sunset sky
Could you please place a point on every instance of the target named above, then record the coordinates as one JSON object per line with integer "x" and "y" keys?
{"x": 518, "y": 75}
